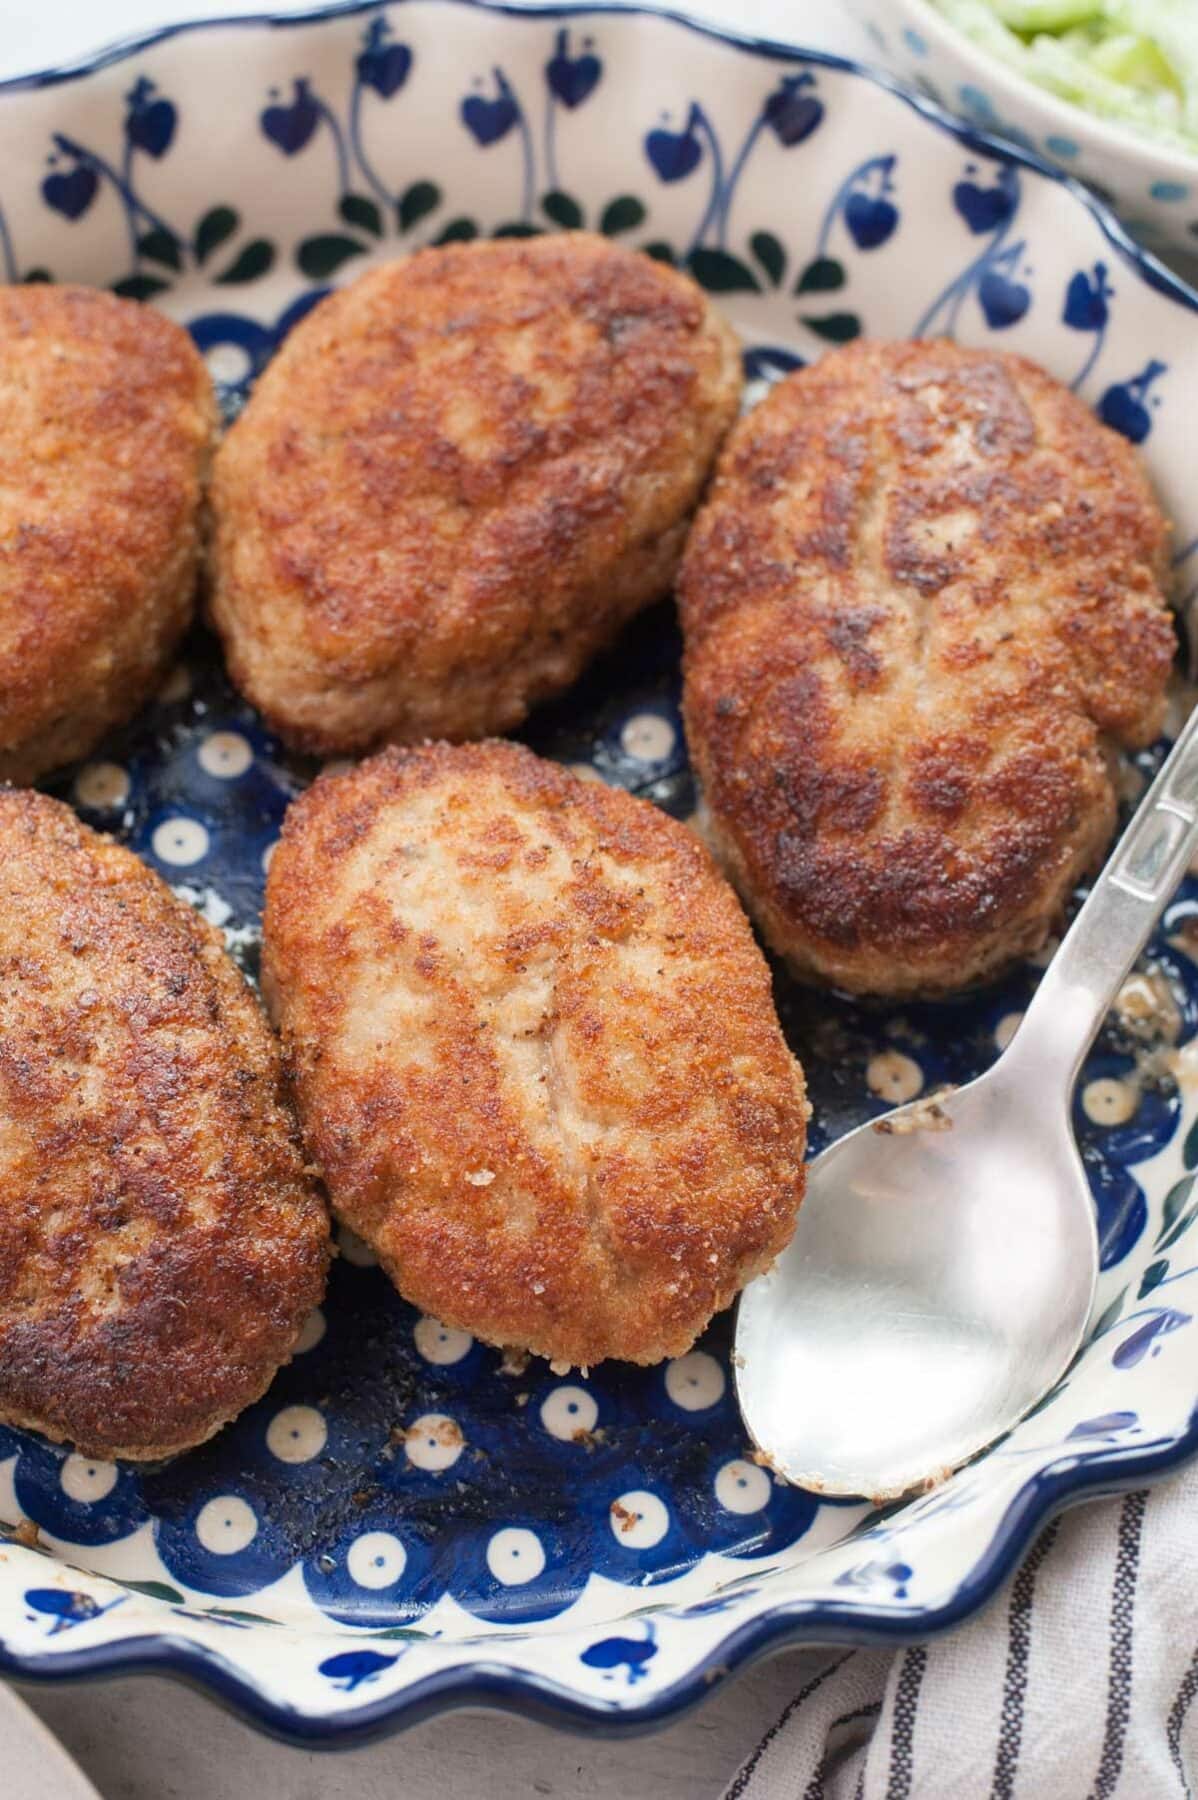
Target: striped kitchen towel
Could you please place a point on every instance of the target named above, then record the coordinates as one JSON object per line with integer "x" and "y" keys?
{"x": 1076, "y": 1683}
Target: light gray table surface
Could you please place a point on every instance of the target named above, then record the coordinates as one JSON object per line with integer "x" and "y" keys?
{"x": 144, "y": 1738}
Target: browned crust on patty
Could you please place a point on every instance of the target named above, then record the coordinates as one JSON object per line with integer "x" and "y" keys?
{"x": 456, "y": 481}
{"x": 160, "y": 1242}
{"x": 106, "y": 424}
{"x": 534, "y": 1050}
{"x": 923, "y": 604}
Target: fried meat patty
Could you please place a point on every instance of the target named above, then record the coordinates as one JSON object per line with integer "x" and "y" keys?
{"x": 160, "y": 1241}
{"x": 106, "y": 423}
{"x": 534, "y": 1050}
{"x": 456, "y": 481}
{"x": 922, "y": 605}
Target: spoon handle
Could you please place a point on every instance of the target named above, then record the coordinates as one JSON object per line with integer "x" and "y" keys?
{"x": 1116, "y": 921}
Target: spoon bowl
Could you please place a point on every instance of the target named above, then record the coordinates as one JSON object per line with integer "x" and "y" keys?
{"x": 930, "y": 1289}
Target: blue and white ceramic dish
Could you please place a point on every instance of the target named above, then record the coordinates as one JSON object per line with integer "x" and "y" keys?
{"x": 340, "y": 1559}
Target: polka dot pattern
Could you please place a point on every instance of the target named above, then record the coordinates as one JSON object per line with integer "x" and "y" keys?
{"x": 639, "y": 1520}
{"x": 87, "y": 1481}
{"x": 515, "y": 1556}
{"x": 296, "y": 1434}
{"x": 440, "y": 1344}
{"x": 226, "y": 1525}
{"x": 695, "y": 1381}
{"x": 180, "y": 842}
{"x": 434, "y": 1442}
{"x": 376, "y": 1560}
{"x": 570, "y": 1413}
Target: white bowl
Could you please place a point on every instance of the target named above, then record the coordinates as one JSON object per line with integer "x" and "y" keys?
{"x": 1153, "y": 187}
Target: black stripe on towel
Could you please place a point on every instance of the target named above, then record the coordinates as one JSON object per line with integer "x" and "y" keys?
{"x": 815, "y": 1787}
{"x": 1014, "y": 1691}
{"x": 902, "y": 1725}
{"x": 1177, "y": 1718}
{"x": 1123, "y": 1601}
{"x": 746, "y": 1774}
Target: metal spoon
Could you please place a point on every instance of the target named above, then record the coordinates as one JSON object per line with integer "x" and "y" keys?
{"x": 942, "y": 1271}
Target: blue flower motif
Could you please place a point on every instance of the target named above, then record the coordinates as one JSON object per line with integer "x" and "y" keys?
{"x": 572, "y": 79}
{"x": 1086, "y": 300}
{"x": 1125, "y": 406}
{"x": 792, "y": 111}
{"x": 871, "y": 217}
{"x": 290, "y": 127}
{"x": 382, "y": 65}
{"x": 149, "y": 123}
{"x": 1003, "y": 300}
{"x": 1105, "y": 1426}
{"x": 71, "y": 192}
{"x": 630, "y": 1654}
{"x": 489, "y": 120}
{"x": 1145, "y": 1339}
{"x": 351, "y": 1668}
{"x": 986, "y": 208}
{"x": 675, "y": 154}
{"x": 65, "y": 1608}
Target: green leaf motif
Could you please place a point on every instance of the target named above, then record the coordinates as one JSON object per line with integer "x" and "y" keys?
{"x": 835, "y": 328}
{"x": 624, "y": 213}
{"x": 563, "y": 209}
{"x": 1171, "y": 1211}
{"x": 360, "y": 210}
{"x": 157, "y": 1590}
{"x": 422, "y": 198}
{"x": 322, "y": 256}
{"x": 242, "y": 1618}
{"x": 1189, "y": 1150}
{"x": 1179, "y": 1230}
{"x": 139, "y": 287}
{"x": 1153, "y": 1275}
{"x": 218, "y": 224}
{"x": 519, "y": 228}
{"x": 1109, "y": 1314}
{"x": 255, "y": 260}
{"x": 161, "y": 247}
{"x": 660, "y": 251}
{"x": 721, "y": 273}
{"x": 770, "y": 254}
{"x": 458, "y": 231}
{"x": 823, "y": 276}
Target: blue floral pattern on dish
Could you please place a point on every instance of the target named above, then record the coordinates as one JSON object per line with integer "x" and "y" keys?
{"x": 402, "y": 1506}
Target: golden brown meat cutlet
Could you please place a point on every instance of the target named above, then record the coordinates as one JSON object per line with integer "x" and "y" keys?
{"x": 457, "y": 480}
{"x": 107, "y": 419}
{"x": 160, "y": 1242}
{"x": 534, "y": 1050}
{"x": 922, "y": 606}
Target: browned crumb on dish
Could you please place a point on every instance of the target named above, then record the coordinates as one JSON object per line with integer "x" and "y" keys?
{"x": 107, "y": 420}
{"x": 476, "y": 961}
{"x": 926, "y": 1114}
{"x": 923, "y": 605}
{"x": 160, "y": 1248}
{"x": 457, "y": 480}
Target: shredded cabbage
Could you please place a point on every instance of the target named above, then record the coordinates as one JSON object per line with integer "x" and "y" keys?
{"x": 1131, "y": 61}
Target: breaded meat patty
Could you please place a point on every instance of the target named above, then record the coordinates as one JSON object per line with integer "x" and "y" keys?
{"x": 457, "y": 480}
{"x": 922, "y": 606}
{"x": 160, "y": 1241}
{"x": 106, "y": 424}
{"x": 534, "y": 1050}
